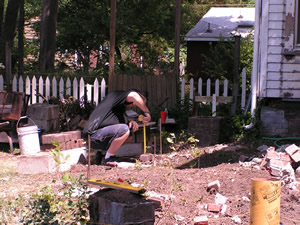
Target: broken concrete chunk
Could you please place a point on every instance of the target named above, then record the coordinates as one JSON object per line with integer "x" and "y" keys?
{"x": 220, "y": 199}
{"x": 214, "y": 186}
{"x": 273, "y": 155}
{"x": 292, "y": 149}
{"x": 296, "y": 156}
{"x": 201, "y": 220}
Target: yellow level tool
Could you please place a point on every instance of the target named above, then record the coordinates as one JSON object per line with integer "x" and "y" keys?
{"x": 117, "y": 185}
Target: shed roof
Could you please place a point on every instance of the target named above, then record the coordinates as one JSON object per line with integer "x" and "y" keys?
{"x": 222, "y": 22}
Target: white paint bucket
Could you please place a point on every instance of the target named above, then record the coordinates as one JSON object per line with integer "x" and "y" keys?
{"x": 28, "y": 137}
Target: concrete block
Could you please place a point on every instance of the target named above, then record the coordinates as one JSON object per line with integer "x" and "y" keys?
{"x": 109, "y": 206}
{"x": 130, "y": 149}
{"x": 41, "y": 111}
{"x": 48, "y": 125}
{"x": 41, "y": 162}
{"x": 71, "y": 157}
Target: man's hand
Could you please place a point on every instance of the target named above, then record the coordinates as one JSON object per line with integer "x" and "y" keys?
{"x": 133, "y": 125}
{"x": 147, "y": 118}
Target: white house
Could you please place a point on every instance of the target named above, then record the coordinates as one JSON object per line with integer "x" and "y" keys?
{"x": 276, "y": 66}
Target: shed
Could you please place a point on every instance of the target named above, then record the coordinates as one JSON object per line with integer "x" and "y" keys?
{"x": 217, "y": 22}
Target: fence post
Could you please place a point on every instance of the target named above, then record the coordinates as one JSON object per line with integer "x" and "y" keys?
{"x": 75, "y": 88}
{"x": 33, "y": 90}
{"x": 200, "y": 86}
{"x": 182, "y": 90}
{"x": 214, "y": 105}
{"x": 47, "y": 88}
{"x": 68, "y": 87}
{"x": 103, "y": 87}
{"x": 41, "y": 89}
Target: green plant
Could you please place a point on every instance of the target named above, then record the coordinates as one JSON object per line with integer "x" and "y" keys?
{"x": 183, "y": 140}
{"x": 50, "y": 207}
{"x": 138, "y": 165}
{"x": 59, "y": 207}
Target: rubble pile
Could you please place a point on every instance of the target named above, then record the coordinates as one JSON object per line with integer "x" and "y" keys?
{"x": 283, "y": 163}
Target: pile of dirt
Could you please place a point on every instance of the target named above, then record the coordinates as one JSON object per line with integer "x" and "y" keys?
{"x": 180, "y": 180}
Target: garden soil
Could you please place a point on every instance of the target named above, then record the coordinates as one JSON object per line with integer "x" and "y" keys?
{"x": 180, "y": 180}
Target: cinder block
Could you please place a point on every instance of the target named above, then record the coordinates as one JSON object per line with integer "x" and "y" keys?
{"x": 120, "y": 207}
{"x": 41, "y": 162}
{"x": 41, "y": 111}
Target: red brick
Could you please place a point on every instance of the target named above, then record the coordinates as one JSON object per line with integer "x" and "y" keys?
{"x": 46, "y": 138}
{"x": 213, "y": 208}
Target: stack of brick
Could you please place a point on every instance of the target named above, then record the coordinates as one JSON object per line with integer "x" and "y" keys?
{"x": 45, "y": 116}
{"x": 66, "y": 140}
{"x": 280, "y": 163}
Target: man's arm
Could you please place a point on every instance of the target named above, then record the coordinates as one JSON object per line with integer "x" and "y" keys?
{"x": 140, "y": 102}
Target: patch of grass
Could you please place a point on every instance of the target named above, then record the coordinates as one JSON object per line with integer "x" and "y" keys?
{"x": 11, "y": 209}
{"x": 8, "y": 167}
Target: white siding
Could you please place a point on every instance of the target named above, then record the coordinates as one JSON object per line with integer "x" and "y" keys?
{"x": 279, "y": 75}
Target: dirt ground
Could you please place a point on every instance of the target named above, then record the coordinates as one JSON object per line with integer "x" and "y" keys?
{"x": 181, "y": 179}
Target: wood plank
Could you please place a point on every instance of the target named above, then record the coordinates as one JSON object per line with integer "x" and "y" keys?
{"x": 149, "y": 91}
{"x": 125, "y": 82}
{"x": 220, "y": 99}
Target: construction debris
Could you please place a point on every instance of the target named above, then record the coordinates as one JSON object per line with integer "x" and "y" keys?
{"x": 282, "y": 162}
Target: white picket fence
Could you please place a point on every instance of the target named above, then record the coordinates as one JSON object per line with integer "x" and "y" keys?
{"x": 199, "y": 89}
{"x": 49, "y": 88}
{"x": 97, "y": 91}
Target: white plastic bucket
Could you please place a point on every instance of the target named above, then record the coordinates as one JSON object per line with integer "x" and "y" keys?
{"x": 28, "y": 136}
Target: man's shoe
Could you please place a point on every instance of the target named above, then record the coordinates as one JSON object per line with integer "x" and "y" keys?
{"x": 111, "y": 161}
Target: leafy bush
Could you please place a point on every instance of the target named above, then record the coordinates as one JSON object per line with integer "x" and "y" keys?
{"x": 49, "y": 207}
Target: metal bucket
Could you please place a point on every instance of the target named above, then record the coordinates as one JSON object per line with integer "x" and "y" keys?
{"x": 28, "y": 137}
